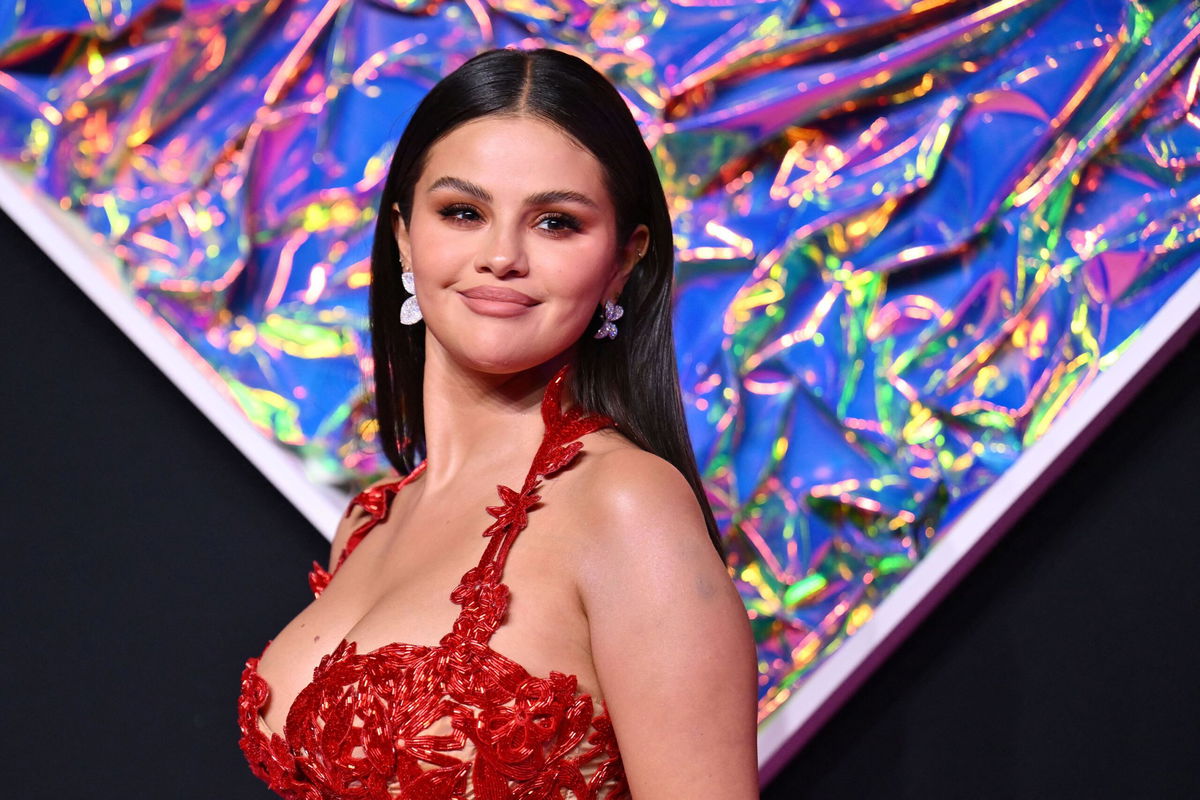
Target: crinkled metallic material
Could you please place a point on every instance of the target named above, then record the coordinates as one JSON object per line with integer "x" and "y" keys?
{"x": 910, "y": 233}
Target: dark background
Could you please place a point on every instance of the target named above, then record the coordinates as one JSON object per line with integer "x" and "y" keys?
{"x": 146, "y": 559}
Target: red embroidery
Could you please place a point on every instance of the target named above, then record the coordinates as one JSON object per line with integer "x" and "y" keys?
{"x": 456, "y": 720}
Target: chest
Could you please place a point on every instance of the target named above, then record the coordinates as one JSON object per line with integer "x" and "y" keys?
{"x": 396, "y": 586}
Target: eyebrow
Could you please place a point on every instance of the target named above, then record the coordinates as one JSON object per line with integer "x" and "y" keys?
{"x": 538, "y": 199}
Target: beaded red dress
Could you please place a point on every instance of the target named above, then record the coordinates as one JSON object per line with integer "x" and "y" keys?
{"x": 450, "y": 721}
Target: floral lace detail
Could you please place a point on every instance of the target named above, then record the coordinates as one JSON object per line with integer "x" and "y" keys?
{"x": 455, "y": 720}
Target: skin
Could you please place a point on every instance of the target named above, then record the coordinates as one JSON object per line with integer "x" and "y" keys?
{"x": 614, "y": 580}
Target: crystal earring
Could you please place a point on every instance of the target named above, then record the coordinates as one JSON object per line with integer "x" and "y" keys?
{"x": 612, "y": 312}
{"x": 410, "y": 312}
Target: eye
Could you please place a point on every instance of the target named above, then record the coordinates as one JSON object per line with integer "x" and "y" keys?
{"x": 567, "y": 222}
{"x": 452, "y": 212}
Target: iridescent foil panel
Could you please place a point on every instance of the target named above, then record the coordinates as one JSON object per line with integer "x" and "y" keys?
{"x": 910, "y": 233}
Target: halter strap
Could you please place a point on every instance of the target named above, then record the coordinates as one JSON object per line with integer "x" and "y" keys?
{"x": 480, "y": 592}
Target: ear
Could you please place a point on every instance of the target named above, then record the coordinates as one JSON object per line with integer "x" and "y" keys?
{"x": 638, "y": 242}
{"x": 401, "y": 232}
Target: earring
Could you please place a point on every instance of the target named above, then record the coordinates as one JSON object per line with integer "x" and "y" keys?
{"x": 612, "y": 312}
{"x": 410, "y": 312}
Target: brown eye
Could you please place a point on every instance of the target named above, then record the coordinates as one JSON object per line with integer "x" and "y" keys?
{"x": 453, "y": 211}
{"x": 565, "y": 222}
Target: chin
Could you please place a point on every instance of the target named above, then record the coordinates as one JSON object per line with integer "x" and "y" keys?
{"x": 507, "y": 364}
{"x": 501, "y": 349}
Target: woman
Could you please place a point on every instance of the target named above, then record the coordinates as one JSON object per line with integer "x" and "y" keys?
{"x": 521, "y": 333}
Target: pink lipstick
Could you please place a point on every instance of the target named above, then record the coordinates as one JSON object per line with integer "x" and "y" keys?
{"x": 496, "y": 301}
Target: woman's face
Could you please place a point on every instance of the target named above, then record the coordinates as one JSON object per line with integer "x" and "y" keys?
{"x": 512, "y": 204}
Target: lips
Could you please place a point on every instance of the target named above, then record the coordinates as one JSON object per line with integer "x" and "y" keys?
{"x": 500, "y": 295}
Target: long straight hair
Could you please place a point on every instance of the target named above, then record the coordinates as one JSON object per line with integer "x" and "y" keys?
{"x": 634, "y": 378}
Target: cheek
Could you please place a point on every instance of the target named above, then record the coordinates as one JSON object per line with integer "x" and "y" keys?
{"x": 580, "y": 284}
{"x": 437, "y": 251}
{"x": 581, "y": 267}
{"x": 425, "y": 234}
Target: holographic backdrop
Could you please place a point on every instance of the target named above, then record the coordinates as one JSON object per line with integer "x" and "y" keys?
{"x": 909, "y": 234}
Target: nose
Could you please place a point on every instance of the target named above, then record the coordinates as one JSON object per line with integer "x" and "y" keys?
{"x": 502, "y": 253}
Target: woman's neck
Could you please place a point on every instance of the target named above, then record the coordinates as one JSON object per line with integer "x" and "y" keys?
{"x": 478, "y": 423}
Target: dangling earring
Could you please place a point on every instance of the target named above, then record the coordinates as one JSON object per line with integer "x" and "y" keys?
{"x": 612, "y": 312}
{"x": 410, "y": 312}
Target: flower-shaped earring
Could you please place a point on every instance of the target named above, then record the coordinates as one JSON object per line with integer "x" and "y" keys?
{"x": 410, "y": 312}
{"x": 612, "y": 312}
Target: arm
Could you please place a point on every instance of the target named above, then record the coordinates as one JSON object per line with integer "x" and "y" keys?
{"x": 671, "y": 640}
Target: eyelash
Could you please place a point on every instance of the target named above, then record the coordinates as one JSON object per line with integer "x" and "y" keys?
{"x": 571, "y": 223}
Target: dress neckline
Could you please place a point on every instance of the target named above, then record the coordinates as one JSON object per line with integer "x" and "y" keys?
{"x": 480, "y": 591}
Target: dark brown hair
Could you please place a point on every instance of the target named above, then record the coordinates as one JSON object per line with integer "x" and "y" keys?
{"x": 633, "y": 378}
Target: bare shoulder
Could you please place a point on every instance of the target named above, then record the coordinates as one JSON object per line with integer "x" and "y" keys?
{"x": 640, "y": 527}
{"x": 666, "y": 627}
{"x": 352, "y": 516}
{"x": 628, "y": 489}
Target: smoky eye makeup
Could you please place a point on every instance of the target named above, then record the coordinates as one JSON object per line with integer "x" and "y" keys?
{"x": 567, "y": 221}
{"x": 564, "y": 223}
{"x": 452, "y": 210}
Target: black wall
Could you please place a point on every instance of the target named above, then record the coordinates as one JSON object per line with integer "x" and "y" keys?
{"x": 145, "y": 559}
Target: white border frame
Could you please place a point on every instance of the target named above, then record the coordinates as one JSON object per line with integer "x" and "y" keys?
{"x": 69, "y": 243}
{"x": 66, "y": 239}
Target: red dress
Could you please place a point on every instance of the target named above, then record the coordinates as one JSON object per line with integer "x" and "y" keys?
{"x": 455, "y": 720}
